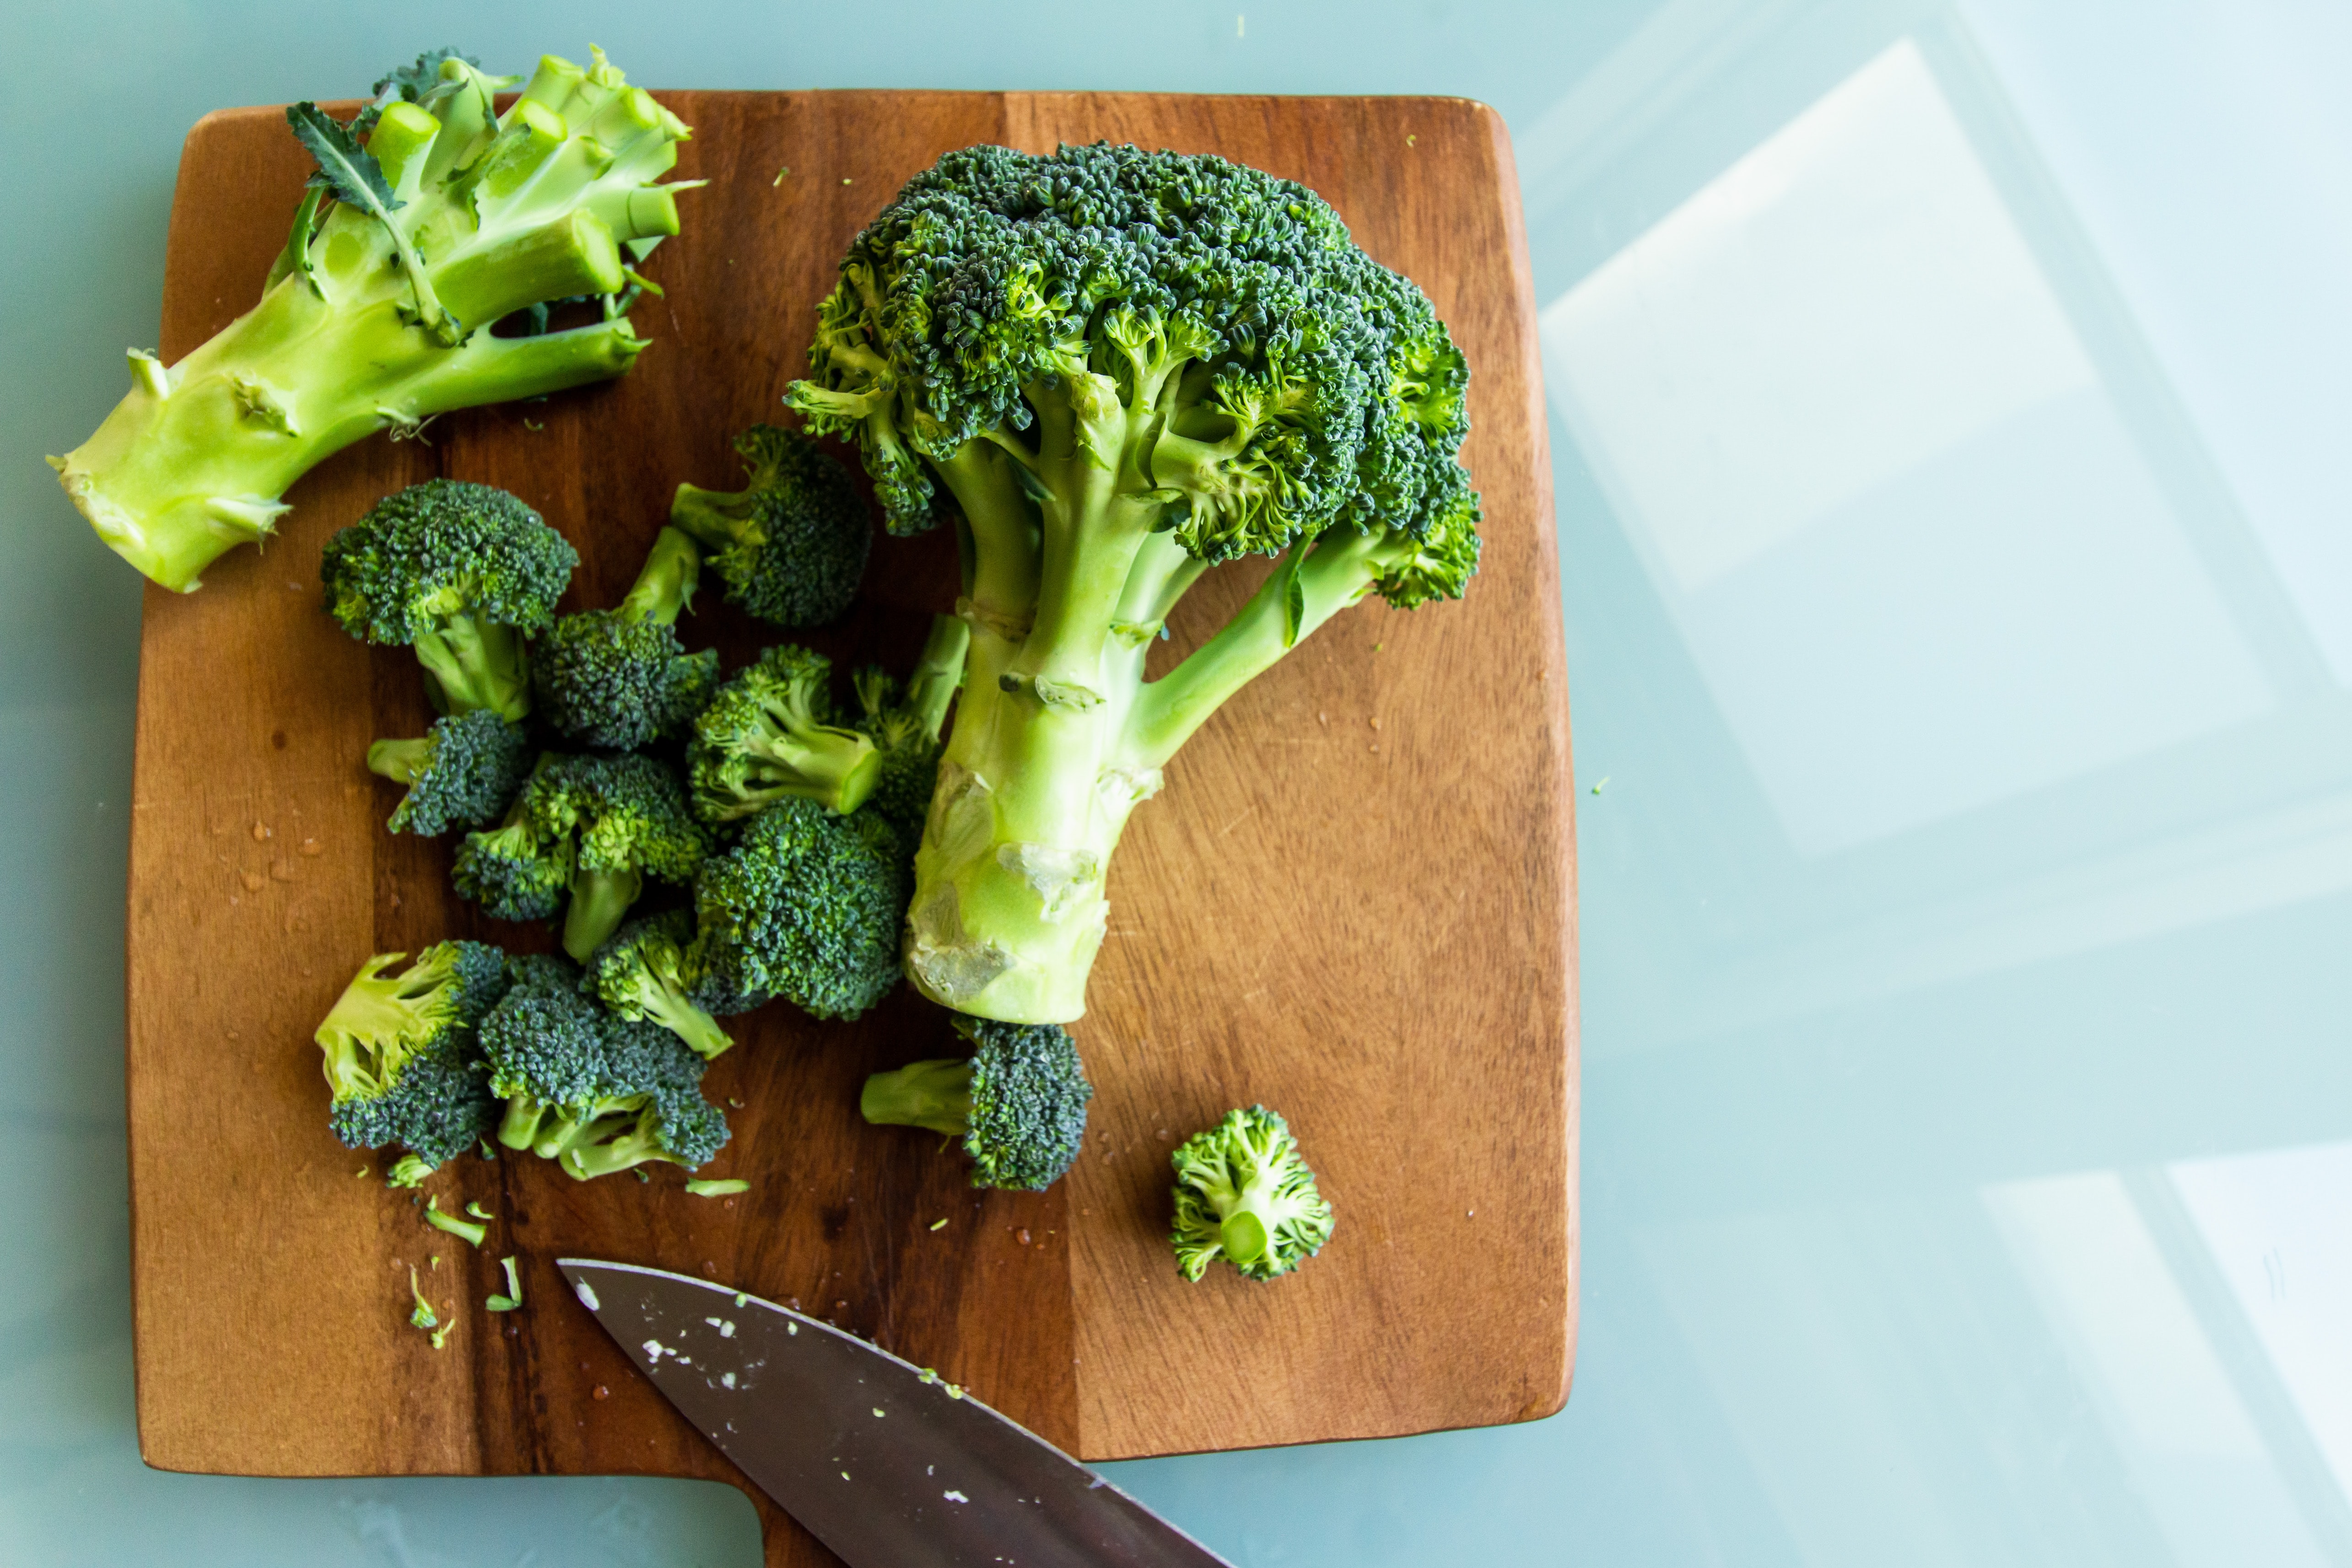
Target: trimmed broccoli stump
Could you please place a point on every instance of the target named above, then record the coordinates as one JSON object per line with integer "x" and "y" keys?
{"x": 620, "y": 678}
{"x": 1242, "y": 1193}
{"x": 463, "y": 772}
{"x": 792, "y": 546}
{"x": 1019, "y": 1102}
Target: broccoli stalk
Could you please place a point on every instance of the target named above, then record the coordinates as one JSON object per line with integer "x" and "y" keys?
{"x": 618, "y": 678}
{"x": 792, "y": 544}
{"x": 1116, "y": 401}
{"x": 1244, "y": 1193}
{"x": 403, "y": 252}
{"x": 1019, "y": 1103}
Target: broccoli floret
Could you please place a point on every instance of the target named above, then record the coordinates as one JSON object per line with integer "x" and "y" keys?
{"x": 429, "y": 218}
{"x": 461, "y": 573}
{"x": 461, "y": 773}
{"x": 905, "y": 728}
{"x": 513, "y": 871}
{"x": 648, "y": 1105}
{"x": 625, "y": 819}
{"x": 1019, "y": 1103}
{"x": 806, "y": 907}
{"x": 642, "y": 974}
{"x": 1124, "y": 367}
{"x": 792, "y": 546}
{"x": 399, "y": 1051}
{"x": 768, "y": 735}
{"x": 619, "y": 678}
{"x": 1244, "y": 1193}
{"x": 540, "y": 1045}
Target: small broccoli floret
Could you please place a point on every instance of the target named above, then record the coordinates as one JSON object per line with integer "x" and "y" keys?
{"x": 513, "y": 871}
{"x": 806, "y": 907}
{"x": 461, "y": 773}
{"x": 1244, "y": 1193}
{"x": 1019, "y": 1103}
{"x": 429, "y": 218}
{"x": 619, "y": 678}
{"x": 626, "y": 818}
{"x": 648, "y": 1105}
{"x": 792, "y": 546}
{"x": 641, "y": 973}
{"x": 768, "y": 735}
{"x": 906, "y": 729}
{"x": 399, "y": 1051}
{"x": 541, "y": 1044}
{"x": 461, "y": 573}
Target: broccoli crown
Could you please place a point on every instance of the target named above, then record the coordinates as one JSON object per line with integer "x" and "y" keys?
{"x": 513, "y": 871}
{"x": 806, "y": 907}
{"x": 1019, "y": 1103}
{"x": 461, "y": 773}
{"x": 1243, "y": 1192}
{"x": 398, "y": 1051}
{"x": 620, "y": 677}
{"x": 441, "y": 551}
{"x": 768, "y": 734}
{"x": 792, "y": 546}
{"x": 1304, "y": 384}
{"x": 623, "y": 815}
{"x": 641, "y": 973}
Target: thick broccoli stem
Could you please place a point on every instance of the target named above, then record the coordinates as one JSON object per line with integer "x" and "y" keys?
{"x": 194, "y": 461}
{"x": 936, "y": 1095}
{"x": 472, "y": 664}
{"x": 666, "y": 585}
{"x": 600, "y": 901}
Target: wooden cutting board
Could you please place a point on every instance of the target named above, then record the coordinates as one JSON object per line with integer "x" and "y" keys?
{"x": 1354, "y": 902}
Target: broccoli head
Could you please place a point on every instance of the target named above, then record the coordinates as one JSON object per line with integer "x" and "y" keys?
{"x": 430, "y": 217}
{"x": 1019, "y": 1103}
{"x": 399, "y": 1051}
{"x": 768, "y": 735}
{"x": 792, "y": 546}
{"x": 619, "y": 678}
{"x": 461, "y": 573}
{"x": 806, "y": 907}
{"x": 461, "y": 773}
{"x": 1124, "y": 367}
{"x": 513, "y": 871}
{"x": 1244, "y": 1193}
{"x": 540, "y": 1044}
{"x": 906, "y": 724}
{"x": 625, "y": 819}
{"x": 642, "y": 974}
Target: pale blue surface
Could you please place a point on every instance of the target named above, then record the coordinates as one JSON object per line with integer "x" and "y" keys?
{"x": 1950, "y": 411}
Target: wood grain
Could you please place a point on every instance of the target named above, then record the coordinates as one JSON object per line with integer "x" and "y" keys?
{"x": 1354, "y": 903}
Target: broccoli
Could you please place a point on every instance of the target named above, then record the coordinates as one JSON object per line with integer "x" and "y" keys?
{"x": 792, "y": 546}
{"x": 513, "y": 871}
{"x": 1243, "y": 1191}
{"x": 461, "y": 773}
{"x": 642, "y": 974}
{"x": 596, "y": 1092}
{"x": 806, "y": 907}
{"x": 907, "y": 732}
{"x": 461, "y": 573}
{"x": 619, "y": 678}
{"x": 624, "y": 819}
{"x": 1123, "y": 366}
{"x": 399, "y": 1051}
{"x": 428, "y": 219}
{"x": 767, "y": 735}
{"x": 1019, "y": 1103}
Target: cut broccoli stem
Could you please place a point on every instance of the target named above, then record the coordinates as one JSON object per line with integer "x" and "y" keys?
{"x": 665, "y": 584}
{"x": 465, "y": 1231}
{"x": 476, "y": 663}
{"x": 600, "y": 901}
{"x": 936, "y": 1095}
{"x": 525, "y": 1121}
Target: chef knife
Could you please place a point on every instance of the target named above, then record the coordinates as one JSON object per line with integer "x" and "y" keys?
{"x": 886, "y": 1462}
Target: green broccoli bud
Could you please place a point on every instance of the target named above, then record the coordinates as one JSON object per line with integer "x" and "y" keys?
{"x": 806, "y": 907}
{"x": 1019, "y": 1102}
{"x": 1244, "y": 1193}
{"x": 463, "y": 772}
{"x": 792, "y": 546}
{"x": 619, "y": 678}
{"x": 428, "y": 220}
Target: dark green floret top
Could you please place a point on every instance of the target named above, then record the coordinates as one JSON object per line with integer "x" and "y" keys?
{"x": 620, "y": 678}
{"x": 463, "y": 772}
{"x": 461, "y": 572}
{"x": 625, "y": 819}
{"x": 1244, "y": 1194}
{"x": 792, "y": 544}
{"x": 398, "y": 1051}
{"x": 807, "y": 907}
{"x": 513, "y": 871}
{"x": 1019, "y": 1103}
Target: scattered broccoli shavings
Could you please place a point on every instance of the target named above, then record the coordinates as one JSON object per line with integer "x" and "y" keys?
{"x": 700, "y": 1188}
{"x": 513, "y": 1297}
{"x": 464, "y": 1231}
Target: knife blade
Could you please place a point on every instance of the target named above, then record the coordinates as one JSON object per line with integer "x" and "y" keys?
{"x": 884, "y": 1461}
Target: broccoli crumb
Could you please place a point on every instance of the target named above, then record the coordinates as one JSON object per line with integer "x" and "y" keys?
{"x": 464, "y": 1231}
{"x": 513, "y": 1297}
{"x": 478, "y": 1212}
{"x": 424, "y": 1316}
{"x": 939, "y": 1224}
{"x": 718, "y": 1188}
